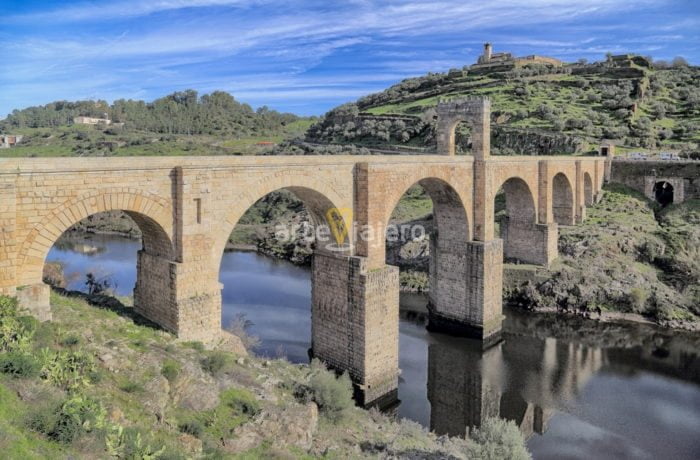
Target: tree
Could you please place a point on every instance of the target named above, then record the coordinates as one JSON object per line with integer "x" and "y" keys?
{"x": 678, "y": 62}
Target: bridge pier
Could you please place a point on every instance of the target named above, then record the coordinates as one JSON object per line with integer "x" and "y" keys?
{"x": 528, "y": 242}
{"x": 168, "y": 294}
{"x": 469, "y": 302}
{"x": 355, "y": 323}
{"x": 36, "y": 300}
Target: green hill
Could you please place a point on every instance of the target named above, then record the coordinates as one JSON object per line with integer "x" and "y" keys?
{"x": 182, "y": 123}
{"x": 536, "y": 108}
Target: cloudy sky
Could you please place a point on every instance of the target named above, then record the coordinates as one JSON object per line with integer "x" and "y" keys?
{"x": 304, "y": 56}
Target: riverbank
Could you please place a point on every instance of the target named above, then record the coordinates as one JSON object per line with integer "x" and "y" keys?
{"x": 122, "y": 388}
{"x": 629, "y": 260}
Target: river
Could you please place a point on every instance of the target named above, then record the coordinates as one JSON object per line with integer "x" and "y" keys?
{"x": 577, "y": 389}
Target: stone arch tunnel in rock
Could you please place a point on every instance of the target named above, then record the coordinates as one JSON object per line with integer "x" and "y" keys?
{"x": 187, "y": 206}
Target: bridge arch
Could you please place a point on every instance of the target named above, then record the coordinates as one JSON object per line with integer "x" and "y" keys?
{"x": 663, "y": 192}
{"x": 318, "y": 201}
{"x": 588, "y": 192}
{"x": 520, "y": 200}
{"x": 524, "y": 239}
{"x": 562, "y": 200}
{"x": 150, "y": 213}
{"x": 475, "y": 112}
{"x": 448, "y": 264}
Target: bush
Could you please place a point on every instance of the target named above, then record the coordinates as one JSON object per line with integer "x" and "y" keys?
{"x": 332, "y": 394}
{"x": 67, "y": 421}
{"x": 170, "y": 370}
{"x": 16, "y": 332}
{"x": 70, "y": 340}
{"x": 241, "y": 401}
{"x": 193, "y": 427}
{"x": 127, "y": 386}
{"x": 129, "y": 444}
{"x": 498, "y": 439}
{"x": 19, "y": 364}
{"x": 638, "y": 299}
{"x": 68, "y": 369}
{"x": 217, "y": 362}
{"x": 240, "y": 327}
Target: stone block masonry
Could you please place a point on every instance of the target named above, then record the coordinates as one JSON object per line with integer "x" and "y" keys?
{"x": 186, "y": 208}
{"x": 355, "y": 314}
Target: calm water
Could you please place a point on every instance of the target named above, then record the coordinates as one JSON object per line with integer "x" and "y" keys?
{"x": 577, "y": 389}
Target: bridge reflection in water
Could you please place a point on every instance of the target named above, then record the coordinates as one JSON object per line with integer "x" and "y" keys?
{"x": 531, "y": 375}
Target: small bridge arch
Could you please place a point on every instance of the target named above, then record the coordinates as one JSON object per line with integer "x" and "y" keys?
{"x": 476, "y": 112}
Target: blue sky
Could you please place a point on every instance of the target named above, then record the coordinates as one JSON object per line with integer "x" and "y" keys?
{"x": 304, "y": 56}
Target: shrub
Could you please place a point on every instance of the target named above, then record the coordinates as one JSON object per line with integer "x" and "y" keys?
{"x": 637, "y": 299}
{"x": 69, "y": 420}
{"x": 67, "y": 369}
{"x": 193, "y": 427}
{"x": 240, "y": 326}
{"x": 197, "y": 346}
{"x": 19, "y": 364}
{"x": 15, "y": 332}
{"x": 217, "y": 362}
{"x": 332, "y": 394}
{"x": 170, "y": 369}
{"x": 70, "y": 340}
{"x": 241, "y": 401}
{"x": 129, "y": 444}
{"x": 127, "y": 386}
{"x": 498, "y": 439}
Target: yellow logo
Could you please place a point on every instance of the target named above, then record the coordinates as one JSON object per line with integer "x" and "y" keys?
{"x": 337, "y": 218}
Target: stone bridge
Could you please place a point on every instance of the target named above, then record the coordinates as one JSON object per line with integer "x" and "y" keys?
{"x": 663, "y": 181}
{"x": 187, "y": 207}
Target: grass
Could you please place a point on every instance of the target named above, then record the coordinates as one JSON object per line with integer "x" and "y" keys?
{"x": 15, "y": 441}
{"x": 75, "y": 140}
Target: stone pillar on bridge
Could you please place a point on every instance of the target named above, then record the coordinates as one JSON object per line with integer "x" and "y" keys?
{"x": 579, "y": 198}
{"x": 355, "y": 302}
{"x": 481, "y": 316}
{"x": 8, "y": 243}
{"x": 180, "y": 291}
{"x": 355, "y": 323}
{"x": 34, "y": 298}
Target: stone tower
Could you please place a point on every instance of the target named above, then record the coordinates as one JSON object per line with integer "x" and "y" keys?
{"x": 487, "y": 52}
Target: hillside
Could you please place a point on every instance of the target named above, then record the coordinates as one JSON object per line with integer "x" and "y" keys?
{"x": 182, "y": 123}
{"x": 125, "y": 390}
{"x": 628, "y": 256}
{"x": 536, "y": 108}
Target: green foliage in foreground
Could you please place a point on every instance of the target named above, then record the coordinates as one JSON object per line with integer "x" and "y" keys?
{"x": 498, "y": 439}
{"x": 332, "y": 393}
{"x": 57, "y": 401}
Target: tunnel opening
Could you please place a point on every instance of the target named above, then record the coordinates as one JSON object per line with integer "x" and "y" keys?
{"x": 663, "y": 192}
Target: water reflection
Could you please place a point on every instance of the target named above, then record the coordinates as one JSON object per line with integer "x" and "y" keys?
{"x": 576, "y": 388}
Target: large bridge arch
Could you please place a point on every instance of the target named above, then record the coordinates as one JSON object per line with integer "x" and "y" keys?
{"x": 152, "y": 294}
{"x": 317, "y": 196}
{"x": 151, "y": 213}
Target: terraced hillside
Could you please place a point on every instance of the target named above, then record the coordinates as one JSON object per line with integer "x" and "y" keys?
{"x": 536, "y": 109}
